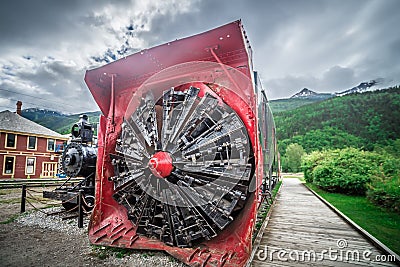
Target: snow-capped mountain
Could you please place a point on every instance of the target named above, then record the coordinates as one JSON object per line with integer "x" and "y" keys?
{"x": 42, "y": 112}
{"x": 305, "y": 92}
{"x": 362, "y": 87}
{"x": 375, "y": 84}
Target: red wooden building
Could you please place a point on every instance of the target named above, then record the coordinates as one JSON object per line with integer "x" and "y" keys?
{"x": 27, "y": 149}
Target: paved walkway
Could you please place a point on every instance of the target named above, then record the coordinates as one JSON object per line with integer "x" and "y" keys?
{"x": 303, "y": 231}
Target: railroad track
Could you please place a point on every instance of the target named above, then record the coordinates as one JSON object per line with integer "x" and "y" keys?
{"x": 16, "y": 183}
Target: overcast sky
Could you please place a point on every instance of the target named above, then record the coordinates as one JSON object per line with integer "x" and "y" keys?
{"x": 326, "y": 46}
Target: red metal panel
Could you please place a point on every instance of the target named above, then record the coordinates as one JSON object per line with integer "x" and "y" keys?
{"x": 228, "y": 40}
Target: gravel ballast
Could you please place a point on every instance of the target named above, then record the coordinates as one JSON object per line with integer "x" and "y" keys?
{"x": 36, "y": 239}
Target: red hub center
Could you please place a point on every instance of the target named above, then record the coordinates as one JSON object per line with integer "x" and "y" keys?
{"x": 160, "y": 164}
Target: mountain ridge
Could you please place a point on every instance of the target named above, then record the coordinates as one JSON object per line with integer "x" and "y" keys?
{"x": 305, "y": 92}
{"x": 61, "y": 122}
{"x": 360, "y": 88}
{"x": 357, "y": 120}
{"x": 307, "y": 96}
{"x": 57, "y": 121}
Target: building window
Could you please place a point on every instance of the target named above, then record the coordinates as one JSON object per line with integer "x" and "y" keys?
{"x": 51, "y": 143}
{"x": 9, "y": 165}
{"x": 32, "y": 142}
{"x": 11, "y": 140}
{"x": 30, "y": 166}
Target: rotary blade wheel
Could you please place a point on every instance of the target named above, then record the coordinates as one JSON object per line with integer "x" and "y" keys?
{"x": 183, "y": 166}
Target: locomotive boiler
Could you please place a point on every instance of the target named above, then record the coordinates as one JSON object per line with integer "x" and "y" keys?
{"x": 185, "y": 147}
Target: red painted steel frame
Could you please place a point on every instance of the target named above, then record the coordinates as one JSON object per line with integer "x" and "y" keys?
{"x": 113, "y": 86}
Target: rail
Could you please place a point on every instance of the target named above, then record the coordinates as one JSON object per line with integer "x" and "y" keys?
{"x": 17, "y": 183}
{"x": 27, "y": 197}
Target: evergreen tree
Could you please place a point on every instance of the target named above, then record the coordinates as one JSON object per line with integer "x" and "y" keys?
{"x": 294, "y": 154}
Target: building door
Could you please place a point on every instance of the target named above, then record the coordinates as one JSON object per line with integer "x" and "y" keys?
{"x": 49, "y": 169}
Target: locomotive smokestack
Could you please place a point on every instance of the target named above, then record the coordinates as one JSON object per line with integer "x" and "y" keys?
{"x": 19, "y": 105}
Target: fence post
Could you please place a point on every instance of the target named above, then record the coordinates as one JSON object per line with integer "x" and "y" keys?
{"x": 23, "y": 198}
{"x": 80, "y": 209}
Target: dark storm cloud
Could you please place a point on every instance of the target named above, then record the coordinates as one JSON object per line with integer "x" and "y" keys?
{"x": 327, "y": 46}
{"x": 338, "y": 78}
{"x": 28, "y": 22}
{"x": 40, "y": 85}
{"x": 44, "y": 52}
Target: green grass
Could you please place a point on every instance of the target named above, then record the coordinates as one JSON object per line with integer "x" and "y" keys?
{"x": 10, "y": 201}
{"x": 382, "y": 224}
{"x": 10, "y": 219}
{"x": 293, "y": 175}
{"x": 263, "y": 213}
{"x": 276, "y": 189}
{"x": 103, "y": 253}
{"x": 298, "y": 175}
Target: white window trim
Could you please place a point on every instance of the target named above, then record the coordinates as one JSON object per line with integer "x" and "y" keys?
{"x": 26, "y": 165}
{"x": 15, "y": 141}
{"x": 4, "y": 165}
{"x": 27, "y": 142}
{"x": 47, "y": 145}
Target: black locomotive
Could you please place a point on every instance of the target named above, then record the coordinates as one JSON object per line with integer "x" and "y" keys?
{"x": 78, "y": 159}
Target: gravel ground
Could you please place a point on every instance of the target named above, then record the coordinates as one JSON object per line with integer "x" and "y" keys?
{"x": 35, "y": 239}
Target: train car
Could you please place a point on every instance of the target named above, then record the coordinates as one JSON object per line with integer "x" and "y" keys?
{"x": 186, "y": 146}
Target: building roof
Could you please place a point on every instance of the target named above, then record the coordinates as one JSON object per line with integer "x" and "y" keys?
{"x": 12, "y": 122}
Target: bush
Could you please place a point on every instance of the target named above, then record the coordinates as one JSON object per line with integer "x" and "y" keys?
{"x": 309, "y": 162}
{"x": 384, "y": 188}
{"x": 343, "y": 171}
{"x": 386, "y": 194}
{"x": 356, "y": 172}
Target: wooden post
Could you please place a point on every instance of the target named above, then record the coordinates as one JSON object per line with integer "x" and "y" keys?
{"x": 80, "y": 209}
{"x": 23, "y": 198}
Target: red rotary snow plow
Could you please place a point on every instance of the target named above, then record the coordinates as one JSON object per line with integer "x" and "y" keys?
{"x": 184, "y": 147}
